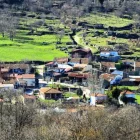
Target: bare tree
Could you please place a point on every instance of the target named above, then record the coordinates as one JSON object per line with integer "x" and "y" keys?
{"x": 12, "y": 26}
{"x": 59, "y": 35}
{"x": 8, "y": 24}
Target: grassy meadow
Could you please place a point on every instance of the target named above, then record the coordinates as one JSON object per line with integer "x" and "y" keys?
{"x": 106, "y": 19}
{"x": 93, "y": 42}
{"x": 31, "y": 47}
{"x": 43, "y": 47}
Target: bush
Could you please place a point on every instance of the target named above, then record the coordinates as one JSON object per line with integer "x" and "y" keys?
{"x": 119, "y": 65}
{"x": 79, "y": 92}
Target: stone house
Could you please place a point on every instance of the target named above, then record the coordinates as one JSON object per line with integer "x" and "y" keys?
{"x": 51, "y": 93}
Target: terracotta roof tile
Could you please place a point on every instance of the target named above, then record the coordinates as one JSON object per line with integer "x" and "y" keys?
{"x": 108, "y": 64}
{"x": 78, "y": 75}
{"x": 47, "y": 90}
{"x": 30, "y": 76}
{"x": 98, "y": 94}
{"x": 26, "y": 76}
{"x": 1, "y": 100}
{"x": 12, "y": 81}
{"x": 137, "y": 64}
{"x": 84, "y": 60}
{"x": 127, "y": 92}
{"x": 3, "y": 70}
{"x": 14, "y": 66}
{"x": 75, "y": 60}
{"x": 62, "y": 59}
{"x": 80, "y": 65}
{"x": 29, "y": 96}
{"x": 107, "y": 76}
{"x": 18, "y": 76}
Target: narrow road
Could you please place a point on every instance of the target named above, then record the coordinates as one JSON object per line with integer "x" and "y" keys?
{"x": 86, "y": 91}
{"x": 77, "y": 39}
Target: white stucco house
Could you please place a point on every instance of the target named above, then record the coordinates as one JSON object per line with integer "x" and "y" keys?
{"x": 28, "y": 78}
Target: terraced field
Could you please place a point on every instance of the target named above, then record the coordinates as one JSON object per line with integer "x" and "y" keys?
{"x": 41, "y": 45}
{"x": 32, "y": 47}
{"x": 94, "y": 38}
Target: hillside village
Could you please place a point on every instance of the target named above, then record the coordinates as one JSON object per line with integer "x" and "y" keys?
{"x": 100, "y": 78}
{"x": 69, "y": 69}
{"x": 100, "y": 59}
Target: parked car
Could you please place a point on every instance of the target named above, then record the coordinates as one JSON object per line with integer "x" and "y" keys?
{"x": 29, "y": 91}
{"x": 42, "y": 84}
{"x": 36, "y": 91}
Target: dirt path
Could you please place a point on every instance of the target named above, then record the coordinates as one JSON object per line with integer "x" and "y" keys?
{"x": 77, "y": 39}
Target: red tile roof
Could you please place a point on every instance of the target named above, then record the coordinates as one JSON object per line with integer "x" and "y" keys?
{"x": 1, "y": 100}
{"x": 137, "y": 64}
{"x": 82, "y": 50}
{"x": 108, "y": 64}
{"x": 19, "y": 76}
{"x": 75, "y": 60}
{"x": 80, "y": 65}
{"x": 78, "y": 75}
{"x": 12, "y": 81}
{"x": 98, "y": 94}
{"x": 68, "y": 69}
{"x": 127, "y": 92}
{"x": 29, "y": 96}
{"x": 14, "y": 66}
{"x": 26, "y": 76}
{"x": 107, "y": 76}
{"x": 137, "y": 79}
{"x": 3, "y": 70}
{"x": 84, "y": 60}
{"x": 47, "y": 90}
{"x": 62, "y": 59}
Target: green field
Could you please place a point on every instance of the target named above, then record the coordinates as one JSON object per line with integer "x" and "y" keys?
{"x": 32, "y": 47}
{"x": 128, "y": 87}
{"x": 93, "y": 41}
{"x": 70, "y": 94}
{"x": 26, "y": 47}
{"x": 106, "y": 19}
{"x": 22, "y": 48}
{"x": 138, "y": 99}
{"x": 47, "y": 101}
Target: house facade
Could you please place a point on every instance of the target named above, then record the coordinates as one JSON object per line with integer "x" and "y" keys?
{"x": 107, "y": 67}
{"x": 110, "y": 56}
{"x": 28, "y": 78}
{"x": 137, "y": 67}
{"x": 51, "y": 93}
{"x": 81, "y": 53}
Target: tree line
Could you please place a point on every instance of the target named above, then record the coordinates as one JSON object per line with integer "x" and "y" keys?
{"x": 29, "y": 121}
